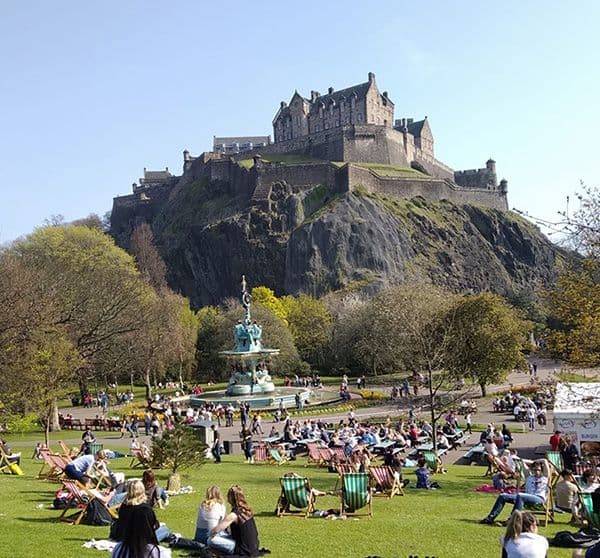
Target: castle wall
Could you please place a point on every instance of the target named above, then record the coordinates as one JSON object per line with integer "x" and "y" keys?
{"x": 476, "y": 178}
{"x": 434, "y": 189}
{"x": 300, "y": 177}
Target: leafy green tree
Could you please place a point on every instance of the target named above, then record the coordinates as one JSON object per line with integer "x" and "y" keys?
{"x": 97, "y": 291}
{"x": 574, "y": 322}
{"x": 212, "y": 337}
{"x": 311, "y": 325}
{"x": 487, "y": 336}
{"x": 266, "y": 297}
{"x": 178, "y": 449}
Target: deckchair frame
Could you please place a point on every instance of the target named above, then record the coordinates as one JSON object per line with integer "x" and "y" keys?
{"x": 349, "y": 482}
{"x": 296, "y": 492}
{"x": 383, "y": 475}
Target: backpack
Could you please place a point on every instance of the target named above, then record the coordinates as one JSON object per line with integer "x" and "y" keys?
{"x": 97, "y": 514}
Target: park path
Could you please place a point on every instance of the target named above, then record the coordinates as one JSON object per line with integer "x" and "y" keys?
{"x": 525, "y": 441}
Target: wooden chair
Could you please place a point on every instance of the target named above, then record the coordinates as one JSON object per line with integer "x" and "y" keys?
{"x": 296, "y": 492}
{"x": 587, "y": 506}
{"x": 8, "y": 463}
{"x": 140, "y": 459}
{"x": 53, "y": 468}
{"x": 80, "y": 498}
{"x": 356, "y": 494}
{"x": 314, "y": 454}
{"x": 388, "y": 482}
{"x": 67, "y": 452}
{"x": 275, "y": 457}
{"x": 261, "y": 454}
{"x": 342, "y": 469}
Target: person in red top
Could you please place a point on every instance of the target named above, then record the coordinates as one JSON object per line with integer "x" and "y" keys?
{"x": 555, "y": 440}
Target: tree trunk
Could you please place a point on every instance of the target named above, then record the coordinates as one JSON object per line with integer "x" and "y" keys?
{"x": 83, "y": 388}
{"x": 47, "y": 429}
{"x": 483, "y": 389}
{"x": 181, "y": 374}
{"x": 147, "y": 384}
{"x": 53, "y": 422}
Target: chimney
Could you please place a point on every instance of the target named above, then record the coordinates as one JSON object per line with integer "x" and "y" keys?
{"x": 283, "y": 104}
{"x": 409, "y": 121}
{"x": 385, "y": 94}
{"x": 314, "y": 95}
{"x": 167, "y": 169}
{"x": 371, "y": 77}
{"x": 330, "y": 90}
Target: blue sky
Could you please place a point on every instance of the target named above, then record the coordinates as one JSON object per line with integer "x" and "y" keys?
{"x": 94, "y": 92}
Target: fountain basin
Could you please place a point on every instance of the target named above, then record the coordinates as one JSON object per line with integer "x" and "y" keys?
{"x": 267, "y": 400}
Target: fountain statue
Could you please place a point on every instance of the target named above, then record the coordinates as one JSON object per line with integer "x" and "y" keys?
{"x": 250, "y": 374}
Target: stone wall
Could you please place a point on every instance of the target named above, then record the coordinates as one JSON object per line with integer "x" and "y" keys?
{"x": 434, "y": 189}
{"x": 476, "y": 178}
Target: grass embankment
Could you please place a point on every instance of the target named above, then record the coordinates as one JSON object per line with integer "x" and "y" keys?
{"x": 442, "y": 523}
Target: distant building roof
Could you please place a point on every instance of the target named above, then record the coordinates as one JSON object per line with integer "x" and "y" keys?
{"x": 242, "y": 139}
{"x": 415, "y": 128}
{"x": 155, "y": 177}
{"x": 577, "y": 398}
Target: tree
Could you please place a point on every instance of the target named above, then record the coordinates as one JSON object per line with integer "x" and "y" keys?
{"x": 97, "y": 292}
{"x": 266, "y": 297}
{"x": 149, "y": 262}
{"x": 420, "y": 325}
{"x": 212, "y": 337}
{"x": 486, "y": 339}
{"x": 311, "y": 326}
{"x": 216, "y": 334}
{"x": 177, "y": 449}
{"x": 574, "y": 332}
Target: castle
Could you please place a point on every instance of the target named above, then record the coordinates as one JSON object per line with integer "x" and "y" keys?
{"x": 346, "y": 140}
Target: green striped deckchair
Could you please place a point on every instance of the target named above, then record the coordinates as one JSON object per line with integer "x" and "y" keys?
{"x": 356, "y": 494}
{"x": 556, "y": 460}
{"x": 593, "y": 518}
{"x": 296, "y": 492}
{"x": 432, "y": 460}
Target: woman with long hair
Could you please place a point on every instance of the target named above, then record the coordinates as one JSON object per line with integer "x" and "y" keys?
{"x": 139, "y": 538}
{"x": 155, "y": 495}
{"x": 243, "y": 540}
{"x": 210, "y": 513}
{"x": 521, "y": 539}
{"x": 135, "y": 504}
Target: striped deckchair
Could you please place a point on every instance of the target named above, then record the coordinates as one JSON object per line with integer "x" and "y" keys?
{"x": 296, "y": 492}
{"x": 384, "y": 478}
{"x": 80, "y": 498}
{"x": 261, "y": 454}
{"x": 314, "y": 454}
{"x": 433, "y": 462}
{"x": 587, "y": 504}
{"x": 53, "y": 467}
{"x": 275, "y": 457}
{"x": 356, "y": 494}
{"x": 341, "y": 469}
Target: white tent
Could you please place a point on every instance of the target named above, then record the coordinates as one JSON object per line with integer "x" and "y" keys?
{"x": 577, "y": 410}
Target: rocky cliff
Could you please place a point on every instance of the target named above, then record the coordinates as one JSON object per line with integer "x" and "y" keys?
{"x": 317, "y": 240}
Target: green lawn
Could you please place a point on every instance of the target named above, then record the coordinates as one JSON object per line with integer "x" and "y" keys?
{"x": 441, "y": 523}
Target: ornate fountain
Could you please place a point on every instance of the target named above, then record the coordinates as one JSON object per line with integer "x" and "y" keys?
{"x": 250, "y": 374}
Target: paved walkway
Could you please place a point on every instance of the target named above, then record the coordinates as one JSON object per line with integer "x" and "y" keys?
{"x": 526, "y": 442}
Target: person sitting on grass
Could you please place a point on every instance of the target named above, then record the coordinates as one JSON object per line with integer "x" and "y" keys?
{"x": 521, "y": 539}
{"x": 243, "y": 538}
{"x": 135, "y": 504}
{"x": 155, "y": 495}
{"x": 423, "y": 476}
{"x": 211, "y": 512}
{"x": 139, "y": 538}
{"x": 536, "y": 492}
